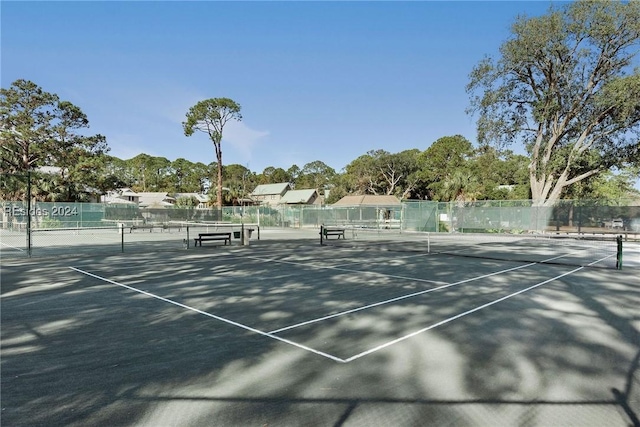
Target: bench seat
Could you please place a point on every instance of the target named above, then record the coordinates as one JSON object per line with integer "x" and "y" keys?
{"x": 226, "y": 236}
{"x": 333, "y": 231}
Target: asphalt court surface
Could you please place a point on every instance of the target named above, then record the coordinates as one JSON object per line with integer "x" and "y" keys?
{"x": 366, "y": 300}
{"x": 292, "y": 333}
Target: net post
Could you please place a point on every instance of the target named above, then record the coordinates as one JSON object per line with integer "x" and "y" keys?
{"x": 321, "y": 234}
{"x": 619, "y": 253}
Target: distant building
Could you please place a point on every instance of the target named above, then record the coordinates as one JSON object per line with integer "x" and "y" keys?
{"x": 155, "y": 200}
{"x": 142, "y": 199}
{"x": 300, "y": 197}
{"x": 270, "y": 194}
{"x": 121, "y": 196}
{"x": 368, "y": 200}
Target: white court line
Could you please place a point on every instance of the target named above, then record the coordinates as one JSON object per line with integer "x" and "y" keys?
{"x": 442, "y": 322}
{"x": 222, "y": 319}
{"x": 330, "y": 316}
{"x": 414, "y": 294}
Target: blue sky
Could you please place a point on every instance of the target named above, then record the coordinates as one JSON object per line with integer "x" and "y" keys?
{"x": 324, "y": 81}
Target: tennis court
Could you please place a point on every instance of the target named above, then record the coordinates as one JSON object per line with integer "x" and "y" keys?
{"x": 286, "y": 331}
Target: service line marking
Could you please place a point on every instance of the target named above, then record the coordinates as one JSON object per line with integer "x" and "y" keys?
{"x": 213, "y": 316}
{"x": 452, "y": 318}
{"x": 411, "y": 295}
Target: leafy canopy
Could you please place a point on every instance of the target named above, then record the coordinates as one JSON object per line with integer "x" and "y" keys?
{"x": 563, "y": 86}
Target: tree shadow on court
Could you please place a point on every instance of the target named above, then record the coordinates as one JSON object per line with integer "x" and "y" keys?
{"x": 78, "y": 350}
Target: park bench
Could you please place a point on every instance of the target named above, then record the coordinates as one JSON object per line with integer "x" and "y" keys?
{"x": 333, "y": 231}
{"x": 226, "y": 236}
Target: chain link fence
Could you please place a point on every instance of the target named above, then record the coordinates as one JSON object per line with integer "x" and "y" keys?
{"x": 21, "y": 233}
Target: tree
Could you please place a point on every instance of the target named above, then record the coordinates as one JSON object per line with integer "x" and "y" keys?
{"x": 239, "y": 182}
{"x": 316, "y": 175}
{"x": 210, "y": 116}
{"x": 563, "y": 86}
{"x": 38, "y": 129}
{"x": 151, "y": 173}
{"x": 361, "y": 176}
{"x": 439, "y": 162}
{"x": 608, "y": 186}
{"x": 273, "y": 175}
{"x": 500, "y": 175}
{"x": 460, "y": 186}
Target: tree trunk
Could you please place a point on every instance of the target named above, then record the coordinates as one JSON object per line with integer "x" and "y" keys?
{"x": 219, "y": 198}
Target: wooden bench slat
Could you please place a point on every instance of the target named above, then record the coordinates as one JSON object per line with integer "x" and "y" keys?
{"x": 226, "y": 236}
{"x": 333, "y": 232}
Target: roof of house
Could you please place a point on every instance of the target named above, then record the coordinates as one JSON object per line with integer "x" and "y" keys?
{"x": 269, "y": 189}
{"x": 368, "y": 200}
{"x": 155, "y": 199}
{"x": 202, "y": 198}
{"x": 119, "y": 196}
{"x": 299, "y": 196}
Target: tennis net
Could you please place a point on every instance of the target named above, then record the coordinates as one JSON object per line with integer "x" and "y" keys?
{"x": 604, "y": 251}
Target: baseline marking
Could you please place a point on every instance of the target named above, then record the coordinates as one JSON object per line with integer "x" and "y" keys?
{"x": 442, "y": 322}
{"x": 213, "y": 316}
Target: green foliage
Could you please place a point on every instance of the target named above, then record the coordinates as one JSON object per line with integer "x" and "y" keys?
{"x": 186, "y": 202}
{"x": 37, "y": 130}
{"x": 563, "y": 87}
{"x": 381, "y": 172}
{"x": 272, "y": 175}
{"x": 238, "y": 183}
{"x": 444, "y": 168}
{"x": 316, "y": 175}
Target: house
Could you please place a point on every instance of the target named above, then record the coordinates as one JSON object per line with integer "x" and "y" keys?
{"x": 369, "y": 200}
{"x": 121, "y": 196}
{"x": 270, "y": 194}
{"x": 155, "y": 200}
{"x": 300, "y": 197}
